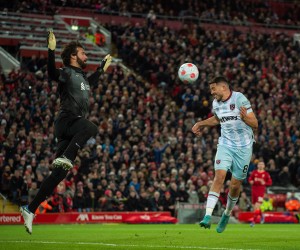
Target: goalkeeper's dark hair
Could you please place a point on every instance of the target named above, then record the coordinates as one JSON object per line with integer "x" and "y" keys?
{"x": 220, "y": 79}
{"x": 68, "y": 50}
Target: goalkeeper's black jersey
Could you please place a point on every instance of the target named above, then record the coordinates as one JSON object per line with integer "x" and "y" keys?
{"x": 73, "y": 86}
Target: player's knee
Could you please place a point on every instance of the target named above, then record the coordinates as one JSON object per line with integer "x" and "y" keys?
{"x": 220, "y": 177}
{"x": 217, "y": 184}
{"x": 235, "y": 186}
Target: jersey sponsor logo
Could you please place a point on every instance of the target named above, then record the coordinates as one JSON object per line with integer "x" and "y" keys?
{"x": 228, "y": 118}
{"x": 232, "y": 106}
{"x": 218, "y": 161}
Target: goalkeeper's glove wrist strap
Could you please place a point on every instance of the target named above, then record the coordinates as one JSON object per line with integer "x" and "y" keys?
{"x": 100, "y": 70}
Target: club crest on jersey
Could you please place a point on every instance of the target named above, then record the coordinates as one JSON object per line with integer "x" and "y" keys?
{"x": 232, "y": 106}
{"x": 218, "y": 161}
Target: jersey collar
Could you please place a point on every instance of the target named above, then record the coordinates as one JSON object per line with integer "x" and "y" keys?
{"x": 79, "y": 70}
{"x": 228, "y": 97}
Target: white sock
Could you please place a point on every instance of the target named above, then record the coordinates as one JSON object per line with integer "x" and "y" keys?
{"x": 212, "y": 200}
{"x": 230, "y": 204}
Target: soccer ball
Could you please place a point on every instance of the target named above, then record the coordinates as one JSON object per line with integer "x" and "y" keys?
{"x": 188, "y": 73}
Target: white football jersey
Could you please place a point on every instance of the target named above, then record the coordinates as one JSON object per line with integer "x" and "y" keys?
{"x": 234, "y": 132}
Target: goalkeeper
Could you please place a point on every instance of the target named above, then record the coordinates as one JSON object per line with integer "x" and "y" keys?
{"x": 72, "y": 128}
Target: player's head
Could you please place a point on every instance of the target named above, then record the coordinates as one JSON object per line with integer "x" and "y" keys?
{"x": 219, "y": 87}
{"x": 261, "y": 165}
{"x": 74, "y": 54}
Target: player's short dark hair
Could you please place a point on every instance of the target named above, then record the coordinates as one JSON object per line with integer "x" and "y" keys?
{"x": 68, "y": 50}
{"x": 219, "y": 79}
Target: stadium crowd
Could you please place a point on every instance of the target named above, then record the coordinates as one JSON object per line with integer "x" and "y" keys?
{"x": 145, "y": 150}
{"x": 222, "y": 11}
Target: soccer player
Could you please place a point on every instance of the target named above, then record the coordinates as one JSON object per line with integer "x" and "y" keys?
{"x": 259, "y": 180}
{"x": 233, "y": 112}
{"x": 72, "y": 129}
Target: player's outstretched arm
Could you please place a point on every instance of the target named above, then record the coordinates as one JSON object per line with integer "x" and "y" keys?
{"x": 106, "y": 61}
{"x": 52, "y": 71}
{"x": 212, "y": 121}
{"x": 249, "y": 118}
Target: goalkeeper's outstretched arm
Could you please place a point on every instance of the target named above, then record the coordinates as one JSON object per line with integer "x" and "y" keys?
{"x": 52, "y": 71}
{"x": 106, "y": 61}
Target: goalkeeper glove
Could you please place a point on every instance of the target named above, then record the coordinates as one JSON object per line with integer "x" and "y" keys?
{"x": 51, "y": 40}
{"x": 105, "y": 63}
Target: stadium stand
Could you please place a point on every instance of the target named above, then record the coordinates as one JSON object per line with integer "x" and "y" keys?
{"x": 27, "y": 31}
{"x": 145, "y": 115}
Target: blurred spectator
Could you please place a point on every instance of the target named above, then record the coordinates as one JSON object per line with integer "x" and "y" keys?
{"x": 158, "y": 151}
{"x": 42, "y": 169}
{"x": 132, "y": 202}
{"x": 68, "y": 202}
{"x": 273, "y": 171}
{"x": 168, "y": 203}
{"x": 32, "y": 65}
{"x": 266, "y": 203}
{"x": 156, "y": 202}
{"x": 145, "y": 204}
{"x": 293, "y": 166}
{"x": 244, "y": 202}
{"x": 43, "y": 207}
{"x": 5, "y": 180}
{"x": 292, "y": 203}
{"x": 162, "y": 188}
{"x": 151, "y": 19}
{"x": 32, "y": 191}
{"x": 121, "y": 201}
{"x": 100, "y": 39}
{"x": 135, "y": 184}
{"x": 173, "y": 189}
{"x": 16, "y": 184}
{"x": 284, "y": 177}
{"x": 90, "y": 35}
{"x": 91, "y": 203}
{"x": 183, "y": 195}
{"x": 193, "y": 195}
{"x": 108, "y": 202}
{"x": 79, "y": 204}
{"x": 298, "y": 177}
{"x": 56, "y": 202}
{"x": 202, "y": 193}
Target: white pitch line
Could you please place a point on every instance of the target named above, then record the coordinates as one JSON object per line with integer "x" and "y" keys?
{"x": 121, "y": 245}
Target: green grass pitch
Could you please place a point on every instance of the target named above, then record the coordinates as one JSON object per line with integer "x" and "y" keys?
{"x": 147, "y": 237}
